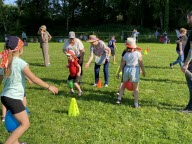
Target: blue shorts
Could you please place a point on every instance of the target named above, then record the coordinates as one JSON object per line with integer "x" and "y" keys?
{"x": 131, "y": 73}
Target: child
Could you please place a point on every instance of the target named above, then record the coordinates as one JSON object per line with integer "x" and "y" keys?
{"x": 133, "y": 61}
{"x": 112, "y": 46}
{"x": 74, "y": 70}
{"x": 182, "y": 40}
{"x": 15, "y": 70}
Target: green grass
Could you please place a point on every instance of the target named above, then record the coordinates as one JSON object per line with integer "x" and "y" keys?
{"x": 163, "y": 92}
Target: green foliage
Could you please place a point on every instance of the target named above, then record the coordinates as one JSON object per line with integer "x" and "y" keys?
{"x": 163, "y": 92}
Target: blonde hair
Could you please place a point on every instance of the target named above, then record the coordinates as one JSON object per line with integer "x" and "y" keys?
{"x": 43, "y": 27}
{"x": 182, "y": 30}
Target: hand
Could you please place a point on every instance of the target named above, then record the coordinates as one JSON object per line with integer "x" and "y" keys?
{"x": 87, "y": 65}
{"x": 53, "y": 89}
{"x": 184, "y": 68}
{"x": 78, "y": 74}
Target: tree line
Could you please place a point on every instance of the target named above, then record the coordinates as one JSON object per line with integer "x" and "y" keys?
{"x": 60, "y": 16}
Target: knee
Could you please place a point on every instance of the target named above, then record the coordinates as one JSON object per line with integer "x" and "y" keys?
{"x": 25, "y": 124}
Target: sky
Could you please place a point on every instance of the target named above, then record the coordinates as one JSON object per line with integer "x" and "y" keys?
{"x": 9, "y": 1}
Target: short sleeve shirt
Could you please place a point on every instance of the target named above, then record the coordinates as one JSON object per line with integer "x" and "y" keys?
{"x": 14, "y": 84}
{"x": 73, "y": 69}
{"x": 131, "y": 58}
{"x": 76, "y": 47}
{"x": 99, "y": 50}
{"x": 110, "y": 44}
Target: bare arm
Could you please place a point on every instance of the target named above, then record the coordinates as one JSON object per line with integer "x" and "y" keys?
{"x": 121, "y": 67}
{"x": 141, "y": 66}
{"x": 109, "y": 51}
{"x": 38, "y": 81}
{"x": 89, "y": 60}
{"x": 187, "y": 61}
{"x": 79, "y": 72}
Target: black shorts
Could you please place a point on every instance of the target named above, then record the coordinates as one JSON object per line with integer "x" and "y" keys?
{"x": 75, "y": 78}
{"x": 14, "y": 105}
{"x": 112, "y": 52}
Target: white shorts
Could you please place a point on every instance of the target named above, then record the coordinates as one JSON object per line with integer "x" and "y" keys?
{"x": 131, "y": 73}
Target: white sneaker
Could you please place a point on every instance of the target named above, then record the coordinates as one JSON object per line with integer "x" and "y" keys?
{"x": 94, "y": 84}
{"x": 106, "y": 85}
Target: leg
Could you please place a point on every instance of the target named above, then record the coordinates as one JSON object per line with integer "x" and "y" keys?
{"x": 46, "y": 54}
{"x": 136, "y": 93}
{"x": 121, "y": 91}
{"x": 25, "y": 101}
{"x": 189, "y": 84}
{"x": 106, "y": 74}
{"x": 78, "y": 88}
{"x": 4, "y": 110}
{"x": 96, "y": 71}
{"x": 23, "y": 119}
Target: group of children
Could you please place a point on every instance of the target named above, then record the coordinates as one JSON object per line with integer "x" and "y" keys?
{"x": 16, "y": 71}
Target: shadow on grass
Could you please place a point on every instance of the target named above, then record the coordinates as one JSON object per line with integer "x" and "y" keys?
{"x": 164, "y": 80}
{"x": 106, "y": 95}
{"x": 36, "y": 64}
{"x": 158, "y": 67}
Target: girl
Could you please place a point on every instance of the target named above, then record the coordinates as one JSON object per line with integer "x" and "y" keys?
{"x": 15, "y": 70}
{"x": 133, "y": 60}
{"x": 74, "y": 70}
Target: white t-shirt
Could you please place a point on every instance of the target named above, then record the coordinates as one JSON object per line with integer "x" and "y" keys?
{"x": 76, "y": 47}
{"x": 14, "y": 84}
{"x": 131, "y": 58}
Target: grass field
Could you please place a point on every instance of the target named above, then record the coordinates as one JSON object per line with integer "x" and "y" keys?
{"x": 163, "y": 92}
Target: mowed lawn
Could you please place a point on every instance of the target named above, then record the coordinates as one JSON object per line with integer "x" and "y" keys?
{"x": 163, "y": 92}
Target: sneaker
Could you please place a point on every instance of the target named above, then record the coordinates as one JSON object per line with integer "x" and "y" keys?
{"x": 2, "y": 119}
{"x": 72, "y": 92}
{"x": 171, "y": 65}
{"x": 22, "y": 143}
{"x": 80, "y": 93}
{"x": 94, "y": 84}
{"x": 106, "y": 85}
{"x": 118, "y": 101}
{"x": 117, "y": 93}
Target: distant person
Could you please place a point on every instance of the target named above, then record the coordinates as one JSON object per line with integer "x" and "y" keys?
{"x": 6, "y": 36}
{"x": 187, "y": 66}
{"x": 45, "y": 37}
{"x": 131, "y": 64}
{"x": 165, "y": 37}
{"x": 156, "y": 34}
{"x": 74, "y": 71}
{"x": 75, "y": 44}
{"x": 24, "y": 36}
{"x": 102, "y": 53}
{"x": 181, "y": 42}
{"x": 14, "y": 87}
{"x": 112, "y": 46}
{"x": 135, "y": 34}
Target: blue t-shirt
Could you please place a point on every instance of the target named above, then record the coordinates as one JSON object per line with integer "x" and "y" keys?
{"x": 14, "y": 84}
{"x": 110, "y": 44}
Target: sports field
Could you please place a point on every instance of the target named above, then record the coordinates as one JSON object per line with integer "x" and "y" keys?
{"x": 163, "y": 92}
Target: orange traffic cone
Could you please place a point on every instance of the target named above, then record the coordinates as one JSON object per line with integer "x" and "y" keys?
{"x": 99, "y": 84}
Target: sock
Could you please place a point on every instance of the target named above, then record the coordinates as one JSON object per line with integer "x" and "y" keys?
{"x": 136, "y": 104}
